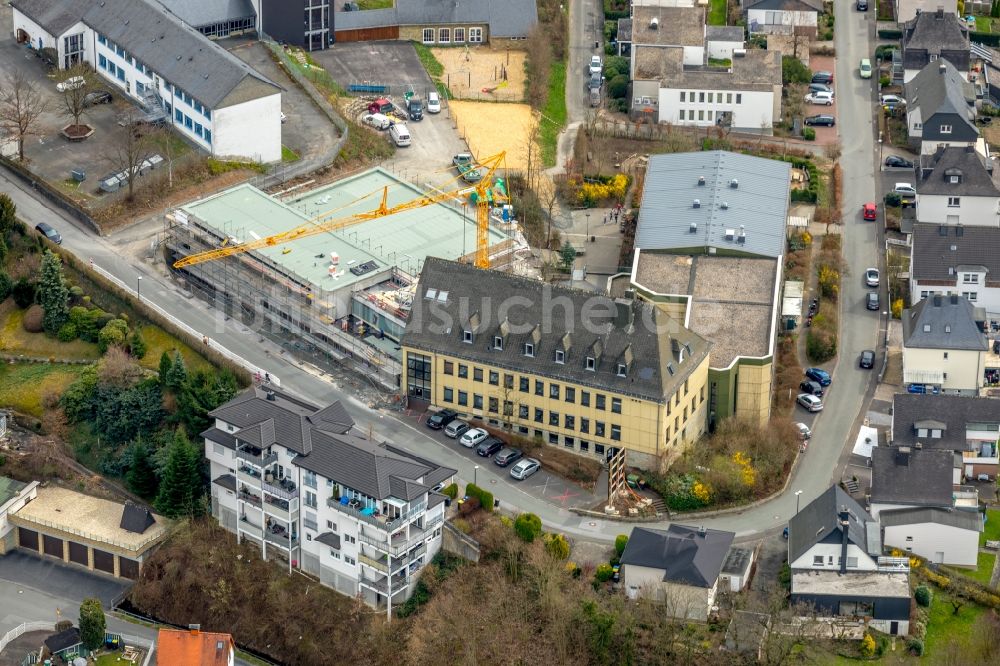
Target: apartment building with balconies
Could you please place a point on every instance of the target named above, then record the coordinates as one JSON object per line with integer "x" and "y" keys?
{"x": 304, "y": 485}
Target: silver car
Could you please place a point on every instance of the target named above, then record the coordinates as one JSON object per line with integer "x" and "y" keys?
{"x": 524, "y": 468}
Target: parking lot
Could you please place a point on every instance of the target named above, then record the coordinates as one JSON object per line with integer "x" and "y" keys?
{"x": 825, "y": 135}
{"x": 434, "y": 139}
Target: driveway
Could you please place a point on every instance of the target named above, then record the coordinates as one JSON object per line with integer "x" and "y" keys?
{"x": 828, "y": 135}
{"x": 21, "y": 572}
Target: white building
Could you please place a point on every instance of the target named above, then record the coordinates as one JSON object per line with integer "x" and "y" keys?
{"x": 907, "y": 10}
{"x": 955, "y": 188}
{"x": 302, "y": 484}
{"x": 783, "y": 16}
{"x": 942, "y": 536}
{"x": 944, "y": 347}
{"x": 956, "y": 260}
{"x": 212, "y": 98}
{"x": 13, "y": 496}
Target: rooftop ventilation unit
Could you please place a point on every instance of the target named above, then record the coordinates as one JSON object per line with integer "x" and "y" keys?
{"x": 730, "y": 234}
{"x": 654, "y": 23}
{"x": 366, "y": 267}
{"x": 701, "y": 180}
{"x": 734, "y": 183}
{"x": 693, "y": 229}
{"x": 696, "y": 204}
{"x": 711, "y": 250}
{"x": 724, "y": 205}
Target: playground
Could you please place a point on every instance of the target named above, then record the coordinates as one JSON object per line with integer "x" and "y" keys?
{"x": 490, "y": 128}
{"x": 478, "y": 72}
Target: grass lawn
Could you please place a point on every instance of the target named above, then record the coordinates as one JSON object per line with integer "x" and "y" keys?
{"x": 374, "y": 4}
{"x": 983, "y": 24}
{"x": 944, "y": 624}
{"x": 22, "y": 385}
{"x": 430, "y": 63}
{"x": 717, "y": 12}
{"x": 553, "y": 114}
{"x": 289, "y": 155}
{"x": 159, "y": 341}
{"x": 115, "y": 659}
{"x": 991, "y": 530}
{"x": 984, "y": 568}
{"x": 15, "y": 340}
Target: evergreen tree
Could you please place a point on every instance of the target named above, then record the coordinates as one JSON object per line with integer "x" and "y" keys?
{"x": 136, "y": 344}
{"x": 92, "y": 623}
{"x": 177, "y": 376}
{"x": 8, "y": 216}
{"x": 165, "y": 366}
{"x": 53, "y": 295}
{"x": 141, "y": 477}
{"x": 180, "y": 487}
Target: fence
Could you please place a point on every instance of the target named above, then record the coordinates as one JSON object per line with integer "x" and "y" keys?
{"x": 23, "y": 628}
{"x": 253, "y": 369}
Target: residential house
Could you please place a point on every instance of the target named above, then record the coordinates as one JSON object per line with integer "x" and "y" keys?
{"x": 834, "y": 551}
{"x": 933, "y": 36}
{"x": 660, "y": 29}
{"x": 939, "y": 110}
{"x": 498, "y": 22}
{"x": 179, "y": 76}
{"x": 906, "y": 477}
{"x": 574, "y": 369}
{"x": 944, "y": 346}
{"x": 709, "y": 250}
{"x": 966, "y": 426}
{"x": 735, "y": 575}
{"x": 194, "y": 647}
{"x": 679, "y": 567}
{"x": 783, "y": 16}
{"x": 723, "y": 41}
{"x": 13, "y": 495}
{"x": 303, "y": 485}
{"x": 942, "y": 536}
{"x": 955, "y": 188}
{"x": 957, "y": 260}
{"x": 907, "y": 10}
{"x": 217, "y": 19}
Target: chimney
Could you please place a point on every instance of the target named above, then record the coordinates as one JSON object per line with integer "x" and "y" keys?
{"x": 954, "y": 299}
{"x": 903, "y": 456}
{"x": 194, "y": 628}
{"x": 937, "y": 300}
{"x": 845, "y": 523}
{"x": 270, "y": 396}
{"x": 701, "y": 180}
{"x": 939, "y": 14}
{"x": 702, "y": 531}
{"x": 942, "y": 68}
{"x": 918, "y": 446}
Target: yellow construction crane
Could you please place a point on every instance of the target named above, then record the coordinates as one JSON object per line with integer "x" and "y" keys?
{"x": 319, "y": 225}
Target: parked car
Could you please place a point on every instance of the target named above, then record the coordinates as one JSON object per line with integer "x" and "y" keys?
{"x": 804, "y": 431}
{"x": 72, "y": 83}
{"x": 595, "y": 81}
{"x": 463, "y": 159}
{"x": 820, "y": 87}
{"x": 400, "y": 134}
{"x": 810, "y": 402}
{"x": 376, "y": 120}
{"x": 822, "y": 119}
{"x": 905, "y": 189}
{"x": 472, "y": 437}
{"x": 440, "y": 419}
{"x": 507, "y": 456}
{"x": 871, "y": 277}
{"x": 871, "y": 300}
{"x": 822, "y": 77}
{"x": 415, "y": 108}
{"x": 862, "y": 5}
{"x": 456, "y": 428}
{"x": 867, "y": 359}
{"x": 596, "y": 66}
{"x": 869, "y": 212}
{"x": 97, "y": 97}
{"x": 819, "y": 375}
{"x": 891, "y": 100}
{"x": 823, "y": 98}
{"x": 812, "y": 388}
{"x": 897, "y": 162}
{"x": 433, "y": 103}
{"x": 524, "y": 468}
{"x": 488, "y": 447}
{"x": 46, "y": 230}
{"x": 381, "y": 105}
{"x": 865, "y": 68}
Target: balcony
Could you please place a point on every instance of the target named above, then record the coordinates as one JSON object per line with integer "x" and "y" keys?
{"x": 279, "y": 508}
{"x": 377, "y": 520}
{"x": 260, "y": 461}
{"x": 245, "y": 525}
{"x": 966, "y": 497}
{"x": 280, "y": 538}
{"x": 399, "y": 584}
{"x": 245, "y": 496}
{"x": 381, "y": 563}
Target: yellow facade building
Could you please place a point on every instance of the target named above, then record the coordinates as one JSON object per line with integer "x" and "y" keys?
{"x": 575, "y": 369}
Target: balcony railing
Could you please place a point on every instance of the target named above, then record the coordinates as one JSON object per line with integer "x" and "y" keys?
{"x": 399, "y": 584}
{"x": 379, "y": 563}
{"x": 252, "y": 499}
{"x": 280, "y": 539}
{"x": 261, "y": 461}
{"x": 248, "y": 527}
{"x": 379, "y": 521}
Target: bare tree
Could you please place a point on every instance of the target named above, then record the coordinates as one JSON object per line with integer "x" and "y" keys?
{"x": 134, "y": 144}
{"x": 21, "y": 105}
{"x": 74, "y": 96}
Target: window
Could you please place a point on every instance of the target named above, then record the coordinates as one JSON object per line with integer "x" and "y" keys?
{"x": 946, "y": 356}
{"x": 570, "y": 394}
{"x": 477, "y": 401}
{"x": 334, "y": 554}
{"x": 428, "y": 37}
{"x": 459, "y": 35}
{"x": 682, "y": 112}
{"x": 591, "y": 363}
{"x": 584, "y": 446}
{"x": 554, "y": 419}
{"x": 569, "y": 443}
{"x": 529, "y": 349}
{"x": 350, "y": 560}
{"x": 817, "y": 560}
{"x": 494, "y": 405}
{"x": 208, "y": 136}
{"x": 197, "y": 129}
{"x": 102, "y": 62}
{"x": 498, "y": 343}
{"x": 954, "y": 180}
{"x": 945, "y": 129}
{"x": 553, "y": 438}
{"x": 178, "y": 116}
{"x": 508, "y": 381}
{"x": 560, "y": 356}
{"x": 467, "y": 337}
{"x": 701, "y": 97}
{"x": 729, "y": 98}
{"x": 701, "y": 114}
{"x": 622, "y": 369}
{"x": 683, "y": 95}
{"x": 444, "y": 35}
{"x": 918, "y": 126}
{"x": 739, "y": 98}
{"x": 616, "y": 405}
{"x": 188, "y": 123}
{"x": 971, "y": 295}
{"x": 523, "y": 384}
{"x": 463, "y": 398}
{"x": 539, "y": 415}
{"x": 954, "y": 202}
{"x": 600, "y": 401}
{"x": 494, "y": 378}
{"x": 554, "y": 391}
{"x": 711, "y": 114}
{"x": 311, "y": 501}
{"x": 329, "y": 523}
{"x": 599, "y": 449}
{"x": 585, "y": 425}
{"x": 522, "y": 411}
{"x": 585, "y": 398}
{"x": 569, "y": 421}
{"x": 599, "y": 428}
{"x": 463, "y": 371}
{"x": 616, "y": 432}
{"x": 449, "y": 394}
{"x": 970, "y": 278}
{"x": 102, "y": 40}
{"x": 539, "y": 388}
{"x": 449, "y": 368}
{"x": 121, "y": 73}
{"x": 476, "y": 35}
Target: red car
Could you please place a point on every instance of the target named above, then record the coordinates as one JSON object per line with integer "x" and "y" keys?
{"x": 869, "y": 211}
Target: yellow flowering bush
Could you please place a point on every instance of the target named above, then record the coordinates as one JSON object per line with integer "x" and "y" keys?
{"x": 702, "y": 492}
{"x": 592, "y": 193}
{"x": 747, "y": 473}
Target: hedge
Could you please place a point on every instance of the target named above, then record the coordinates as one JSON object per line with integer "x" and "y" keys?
{"x": 890, "y": 33}
{"x": 484, "y": 496}
{"x": 451, "y": 491}
{"x": 986, "y": 38}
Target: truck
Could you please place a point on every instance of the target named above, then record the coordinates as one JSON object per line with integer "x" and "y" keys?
{"x": 466, "y": 166}
{"x": 415, "y": 108}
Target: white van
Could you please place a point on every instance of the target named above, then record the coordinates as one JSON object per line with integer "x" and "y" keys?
{"x": 400, "y": 134}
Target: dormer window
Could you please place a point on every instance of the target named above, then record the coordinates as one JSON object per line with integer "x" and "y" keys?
{"x": 954, "y": 180}
{"x": 622, "y": 370}
{"x": 921, "y": 432}
{"x": 498, "y": 343}
{"x": 529, "y": 349}
{"x": 591, "y": 363}
{"x": 945, "y": 129}
{"x": 935, "y": 433}
{"x": 467, "y": 336}
{"x": 560, "y": 356}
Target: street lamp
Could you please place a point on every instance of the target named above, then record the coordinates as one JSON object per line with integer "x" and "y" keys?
{"x": 798, "y": 493}
{"x": 475, "y": 475}
{"x": 588, "y": 229}
{"x": 880, "y": 149}
{"x": 138, "y": 283}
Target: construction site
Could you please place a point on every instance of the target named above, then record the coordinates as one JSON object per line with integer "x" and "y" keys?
{"x": 330, "y": 272}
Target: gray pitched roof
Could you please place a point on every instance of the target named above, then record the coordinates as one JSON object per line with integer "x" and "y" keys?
{"x": 936, "y": 249}
{"x": 758, "y": 205}
{"x": 907, "y": 475}
{"x": 962, "y": 161}
{"x": 136, "y": 518}
{"x": 589, "y": 326}
{"x": 175, "y": 50}
{"x": 198, "y": 13}
{"x": 935, "y": 33}
{"x": 432, "y": 478}
{"x": 329, "y": 539}
{"x": 962, "y": 519}
{"x": 951, "y": 411}
{"x": 943, "y": 322}
{"x": 818, "y": 520}
{"x": 787, "y": 5}
{"x": 938, "y": 88}
{"x": 687, "y": 555}
{"x": 227, "y": 481}
{"x": 64, "y": 639}
{"x": 506, "y": 18}
{"x": 226, "y": 439}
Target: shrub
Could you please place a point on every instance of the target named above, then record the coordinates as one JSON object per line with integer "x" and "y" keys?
{"x": 941, "y": 581}
{"x": 897, "y": 308}
{"x": 821, "y": 345}
{"x": 67, "y": 333}
{"x": 485, "y": 497}
{"x": 923, "y": 595}
{"x": 916, "y": 646}
{"x": 809, "y": 134}
{"x": 892, "y": 200}
{"x": 113, "y": 333}
{"x": 618, "y": 87}
{"x": 603, "y": 573}
{"x": 6, "y": 285}
{"x": 23, "y": 293}
{"x": 469, "y": 505}
{"x": 528, "y": 526}
{"x": 794, "y": 71}
{"x": 868, "y": 645}
{"x": 620, "y": 542}
{"x": 557, "y": 546}
{"x": 462, "y": 525}
{"x": 33, "y": 319}
{"x": 451, "y": 491}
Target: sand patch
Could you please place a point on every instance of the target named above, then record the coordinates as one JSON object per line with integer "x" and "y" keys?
{"x": 490, "y": 128}
{"x": 477, "y": 72}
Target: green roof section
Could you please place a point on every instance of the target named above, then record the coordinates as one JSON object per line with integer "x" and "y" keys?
{"x": 9, "y": 489}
